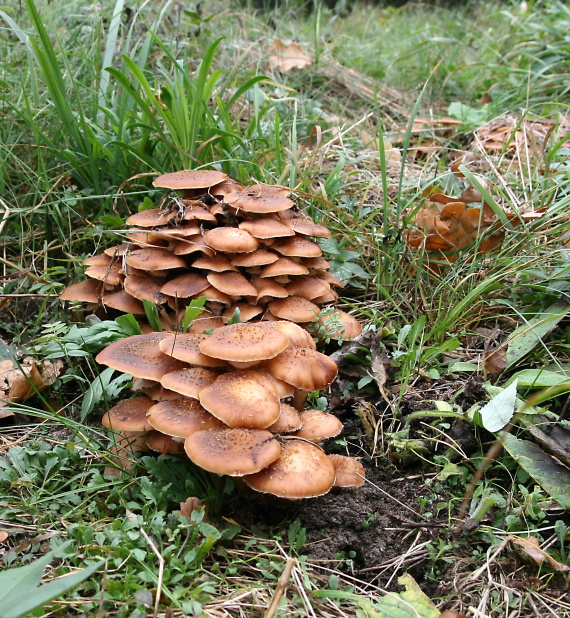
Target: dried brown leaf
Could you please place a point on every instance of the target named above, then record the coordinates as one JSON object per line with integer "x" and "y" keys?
{"x": 531, "y": 546}
{"x": 189, "y": 506}
{"x": 494, "y": 355}
{"x": 286, "y": 57}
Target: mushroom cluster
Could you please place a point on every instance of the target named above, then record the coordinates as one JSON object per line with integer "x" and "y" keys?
{"x": 233, "y": 402}
{"x": 242, "y": 248}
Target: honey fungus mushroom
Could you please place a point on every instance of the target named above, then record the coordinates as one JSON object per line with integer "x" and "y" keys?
{"x": 301, "y": 471}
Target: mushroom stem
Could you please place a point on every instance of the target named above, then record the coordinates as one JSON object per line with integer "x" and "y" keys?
{"x": 299, "y": 399}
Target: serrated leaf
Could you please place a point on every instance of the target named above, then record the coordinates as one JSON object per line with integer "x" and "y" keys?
{"x": 548, "y": 472}
{"x": 496, "y": 413}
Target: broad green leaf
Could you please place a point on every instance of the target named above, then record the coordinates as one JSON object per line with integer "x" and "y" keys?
{"x": 496, "y": 413}
{"x": 20, "y": 592}
{"x": 412, "y": 603}
{"x": 539, "y": 378}
{"x": 529, "y": 335}
{"x": 128, "y": 323}
{"x": 193, "y": 310}
{"x": 549, "y": 473}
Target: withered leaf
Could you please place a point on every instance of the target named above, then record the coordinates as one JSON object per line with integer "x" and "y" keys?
{"x": 494, "y": 355}
{"x": 531, "y": 547}
{"x": 286, "y": 57}
{"x": 189, "y": 506}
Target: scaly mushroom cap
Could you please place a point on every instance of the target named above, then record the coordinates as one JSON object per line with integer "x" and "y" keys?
{"x": 186, "y": 347}
{"x": 242, "y": 399}
{"x": 102, "y": 259}
{"x": 262, "y": 190}
{"x": 189, "y": 381}
{"x": 234, "y": 451}
{"x": 139, "y": 355}
{"x": 129, "y": 416}
{"x": 302, "y": 471}
{"x": 111, "y": 274}
{"x": 189, "y": 179}
{"x": 244, "y": 343}
{"x": 151, "y": 218}
{"x": 294, "y": 308}
{"x": 318, "y": 426}
{"x": 193, "y": 244}
{"x": 181, "y": 418}
{"x": 231, "y": 240}
{"x": 306, "y": 369}
{"x": 87, "y": 291}
{"x": 154, "y": 258}
{"x": 349, "y": 471}
{"x": 268, "y": 290}
{"x": 185, "y": 286}
{"x": 118, "y": 250}
{"x": 196, "y": 211}
{"x": 306, "y": 226}
{"x": 289, "y": 420}
{"x": 284, "y": 390}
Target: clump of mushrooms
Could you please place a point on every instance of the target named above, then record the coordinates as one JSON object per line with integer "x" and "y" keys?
{"x": 243, "y": 248}
{"x": 233, "y": 400}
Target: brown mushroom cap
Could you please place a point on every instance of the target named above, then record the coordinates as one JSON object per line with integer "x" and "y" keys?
{"x": 139, "y": 355}
{"x": 267, "y": 289}
{"x": 302, "y": 471}
{"x": 318, "y": 426}
{"x": 266, "y": 228}
{"x": 129, "y": 415}
{"x": 235, "y": 451}
{"x": 244, "y": 343}
{"x": 189, "y": 179}
{"x": 154, "y": 258}
{"x": 319, "y": 263}
{"x": 111, "y": 274}
{"x": 206, "y": 321}
{"x": 185, "y": 286}
{"x": 217, "y": 263}
{"x": 308, "y": 287}
{"x": 101, "y": 259}
{"x": 297, "y": 246}
{"x": 298, "y": 337}
{"x": 261, "y": 189}
{"x": 257, "y": 204}
{"x": 283, "y": 389}
{"x": 87, "y": 291}
{"x": 181, "y": 418}
{"x": 231, "y": 240}
{"x": 145, "y": 288}
{"x": 151, "y": 217}
{"x": 122, "y": 301}
{"x": 342, "y": 326}
{"x": 289, "y": 420}
{"x": 349, "y": 471}
{"x": 232, "y": 283}
{"x": 186, "y": 347}
{"x": 294, "y": 308}
{"x": 197, "y": 211}
{"x": 118, "y": 250}
{"x": 161, "y": 443}
{"x": 306, "y": 369}
{"x": 189, "y": 381}
{"x": 306, "y": 226}
{"x": 227, "y": 186}
{"x": 284, "y": 266}
{"x": 246, "y": 312}
{"x": 259, "y": 257}
{"x": 193, "y": 244}
{"x": 242, "y": 399}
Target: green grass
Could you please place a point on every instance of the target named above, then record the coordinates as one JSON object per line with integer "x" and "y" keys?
{"x": 94, "y": 102}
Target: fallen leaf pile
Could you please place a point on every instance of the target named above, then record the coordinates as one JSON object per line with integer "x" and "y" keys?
{"x": 233, "y": 402}
{"x": 242, "y": 248}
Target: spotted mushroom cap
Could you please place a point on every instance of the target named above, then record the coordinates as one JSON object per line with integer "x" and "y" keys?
{"x": 181, "y": 418}
{"x": 129, "y": 415}
{"x": 244, "y": 343}
{"x": 318, "y": 426}
{"x": 349, "y": 471}
{"x": 189, "y": 179}
{"x": 306, "y": 369}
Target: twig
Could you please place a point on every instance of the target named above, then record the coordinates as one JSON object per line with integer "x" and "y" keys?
{"x": 281, "y": 588}
{"x": 160, "y": 572}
